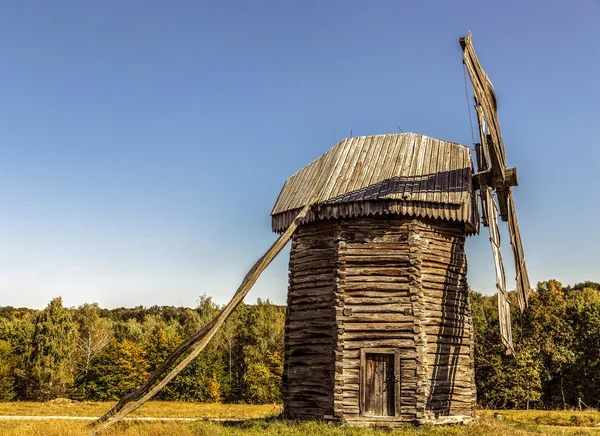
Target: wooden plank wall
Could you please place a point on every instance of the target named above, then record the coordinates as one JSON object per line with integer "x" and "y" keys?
{"x": 378, "y": 291}
{"x": 378, "y": 282}
{"x": 449, "y": 328}
{"x": 309, "y": 361}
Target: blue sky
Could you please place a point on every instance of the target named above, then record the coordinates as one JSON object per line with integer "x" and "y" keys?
{"x": 143, "y": 144}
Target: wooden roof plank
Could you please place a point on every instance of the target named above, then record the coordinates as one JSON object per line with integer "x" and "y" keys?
{"x": 405, "y": 168}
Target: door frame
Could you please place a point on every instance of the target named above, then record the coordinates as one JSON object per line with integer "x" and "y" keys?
{"x": 363, "y": 379}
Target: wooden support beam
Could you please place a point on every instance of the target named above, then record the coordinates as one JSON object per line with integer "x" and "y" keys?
{"x": 486, "y": 178}
{"x": 198, "y": 341}
{"x": 502, "y": 195}
{"x": 482, "y": 164}
{"x": 512, "y": 179}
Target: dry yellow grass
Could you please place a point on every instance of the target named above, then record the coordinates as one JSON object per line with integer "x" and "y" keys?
{"x": 514, "y": 423}
{"x": 567, "y": 418}
{"x": 280, "y": 428}
{"x": 163, "y": 409}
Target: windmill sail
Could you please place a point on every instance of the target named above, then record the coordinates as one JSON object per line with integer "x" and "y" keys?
{"x": 503, "y": 304}
{"x": 486, "y": 100}
{"x": 523, "y": 285}
{"x": 491, "y": 163}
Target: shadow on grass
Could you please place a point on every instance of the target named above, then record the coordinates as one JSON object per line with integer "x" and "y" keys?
{"x": 325, "y": 427}
{"x": 250, "y": 423}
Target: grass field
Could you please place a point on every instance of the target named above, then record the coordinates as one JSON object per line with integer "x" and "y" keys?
{"x": 163, "y": 409}
{"x": 261, "y": 420}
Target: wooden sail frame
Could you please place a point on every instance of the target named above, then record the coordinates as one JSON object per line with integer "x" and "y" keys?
{"x": 494, "y": 176}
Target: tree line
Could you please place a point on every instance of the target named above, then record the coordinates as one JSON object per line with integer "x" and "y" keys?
{"x": 557, "y": 349}
{"x": 90, "y": 353}
{"x": 96, "y": 354}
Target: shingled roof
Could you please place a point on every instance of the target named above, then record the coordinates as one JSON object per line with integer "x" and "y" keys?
{"x": 406, "y": 174}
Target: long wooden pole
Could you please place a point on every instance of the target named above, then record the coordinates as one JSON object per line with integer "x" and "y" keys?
{"x": 198, "y": 341}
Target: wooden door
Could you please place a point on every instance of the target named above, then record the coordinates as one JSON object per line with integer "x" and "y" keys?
{"x": 379, "y": 385}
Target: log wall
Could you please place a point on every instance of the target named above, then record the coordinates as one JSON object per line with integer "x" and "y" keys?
{"x": 449, "y": 362}
{"x": 381, "y": 275}
{"x": 374, "y": 283}
{"x": 310, "y": 336}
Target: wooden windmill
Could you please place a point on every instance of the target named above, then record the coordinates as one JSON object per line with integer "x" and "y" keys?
{"x": 378, "y": 327}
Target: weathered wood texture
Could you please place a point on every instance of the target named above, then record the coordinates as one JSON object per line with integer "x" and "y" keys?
{"x": 403, "y": 173}
{"x": 391, "y": 284}
{"x": 309, "y": 361}
{"x": 450, "y": 361}
{"x": 378, "y": 291}
{"x": 379, "y": 385}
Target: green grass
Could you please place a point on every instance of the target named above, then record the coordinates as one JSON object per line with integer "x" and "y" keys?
{"x": 259, "y": 420}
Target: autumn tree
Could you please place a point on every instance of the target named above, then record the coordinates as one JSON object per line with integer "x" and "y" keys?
{"x": 121, "y": 367}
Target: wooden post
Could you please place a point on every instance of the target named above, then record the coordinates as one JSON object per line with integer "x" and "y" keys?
{"x": 132, "y": 401}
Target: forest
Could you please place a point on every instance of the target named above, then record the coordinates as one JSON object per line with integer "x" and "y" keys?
{"x": 95, "y": 354}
